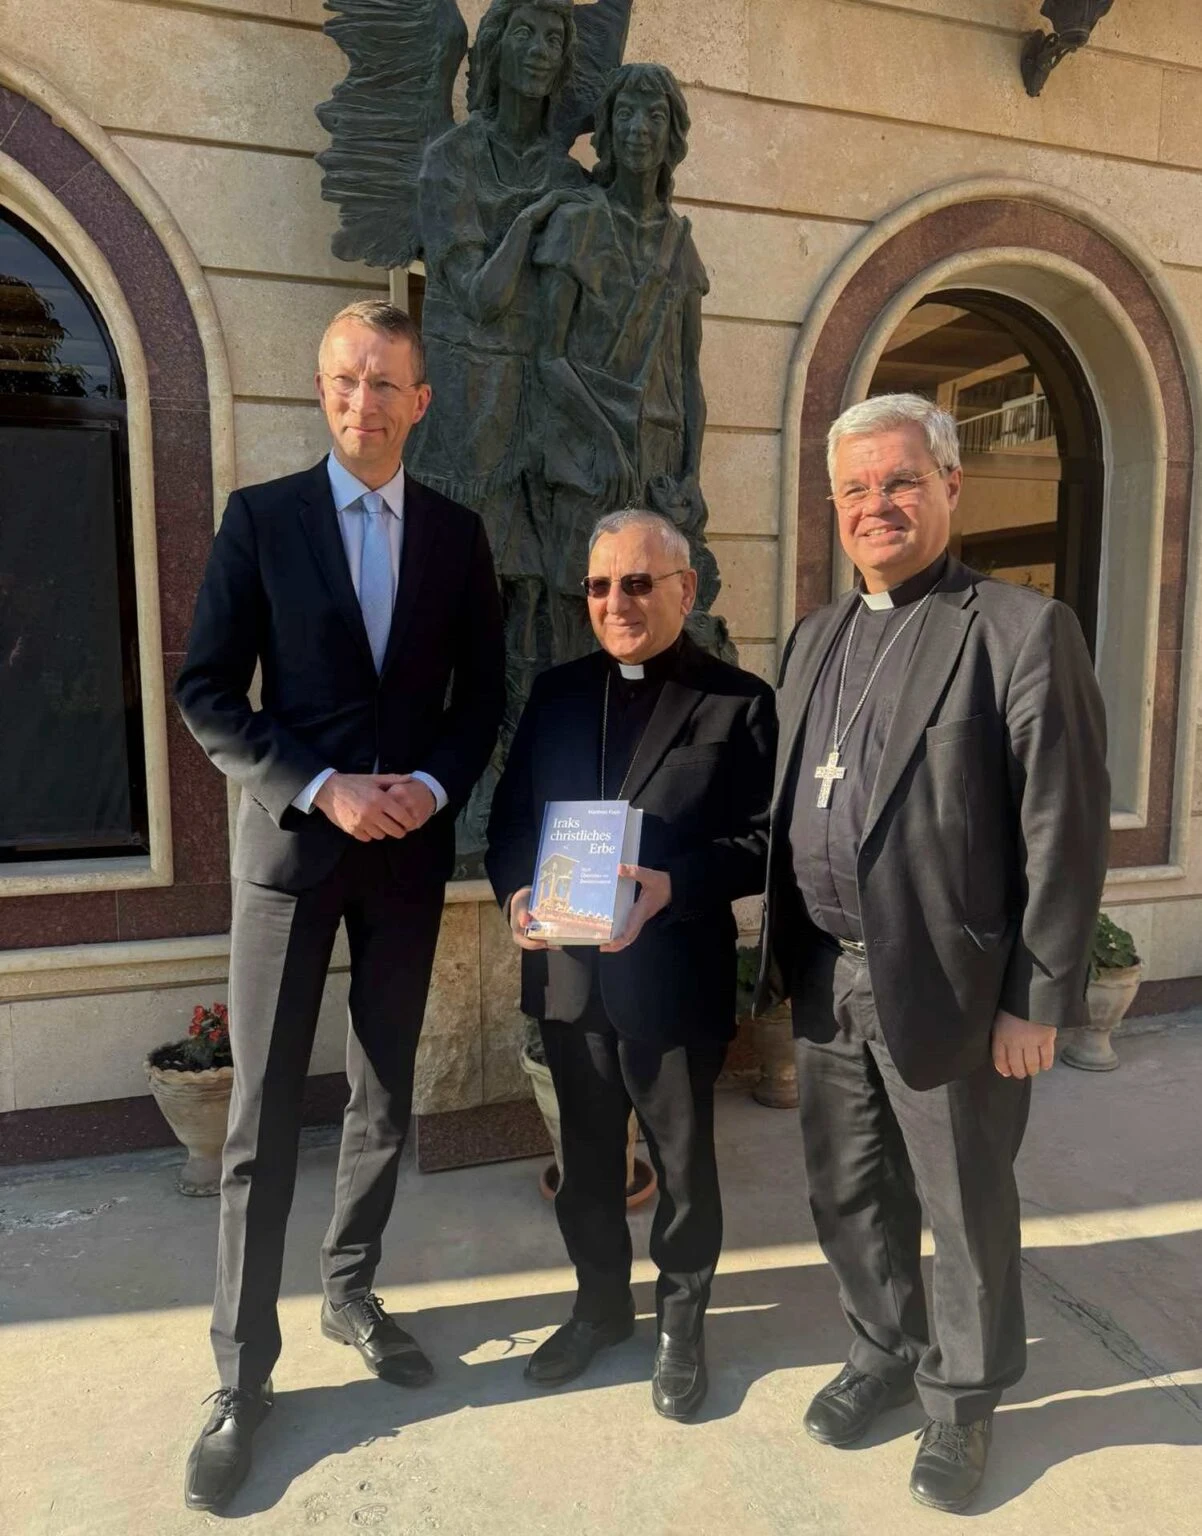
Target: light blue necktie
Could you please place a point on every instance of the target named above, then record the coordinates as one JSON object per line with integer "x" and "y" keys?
{"x": 376, "y": 596}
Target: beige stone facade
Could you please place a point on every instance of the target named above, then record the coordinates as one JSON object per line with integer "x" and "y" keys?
{"x": 816, "y": 124}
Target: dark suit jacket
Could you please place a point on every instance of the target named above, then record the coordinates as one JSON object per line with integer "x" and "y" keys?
{"x": 703, "y": 778}
{"x": 278, "y": 593}
{"x": 984, "y": 848}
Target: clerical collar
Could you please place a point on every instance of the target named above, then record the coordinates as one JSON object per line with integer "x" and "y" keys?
{"x": 908, "y": 591}
{"x": 657, "y": 667}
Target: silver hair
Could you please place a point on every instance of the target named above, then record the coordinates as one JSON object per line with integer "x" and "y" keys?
{"x": 885, "y": 413}
{"x": 676, "y": 546}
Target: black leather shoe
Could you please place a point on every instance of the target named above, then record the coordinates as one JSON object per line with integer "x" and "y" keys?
{"x": 845, "y": 1408}
{"x": 570, "y": 1349}
{"x": 679, "y": 1382}
{"x": 220, "y": 1459}
{"x": 391, "y": 1354}
{"x": 950, "y": 1463}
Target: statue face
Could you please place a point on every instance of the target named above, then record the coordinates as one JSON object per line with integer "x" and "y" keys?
{"x": 633, "y": 629}
{"x": 642, "y": 127}
{"x": 532, "y": 51}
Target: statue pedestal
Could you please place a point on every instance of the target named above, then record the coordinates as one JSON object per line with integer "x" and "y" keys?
{"x": 471, "y": 1100}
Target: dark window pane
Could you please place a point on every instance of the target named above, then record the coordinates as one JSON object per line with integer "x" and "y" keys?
{"x": 65, "y": 780}
{"x": 72, "y": 771}
{"x": 51, "y": 342}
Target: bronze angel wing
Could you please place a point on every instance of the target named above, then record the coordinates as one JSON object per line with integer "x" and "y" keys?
{"x": 404, "y": 56}
{"x": 601, "y": 31}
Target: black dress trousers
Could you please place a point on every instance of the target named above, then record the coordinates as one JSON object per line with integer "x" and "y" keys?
{"x": 873, "y": 1147}
{"x": 280, "y": 951}
{"x": 599, "y": 1076}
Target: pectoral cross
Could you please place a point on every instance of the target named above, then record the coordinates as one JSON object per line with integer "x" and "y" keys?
{"x": 828, "y": 772}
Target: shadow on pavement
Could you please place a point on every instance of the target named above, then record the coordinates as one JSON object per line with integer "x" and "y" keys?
{"x": 763, "y": 1323}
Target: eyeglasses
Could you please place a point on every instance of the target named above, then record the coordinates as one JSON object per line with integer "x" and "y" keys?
{"x": 901, "y": 490}
{"x": 636, "y": 584}
{"x": 345, "y": 385}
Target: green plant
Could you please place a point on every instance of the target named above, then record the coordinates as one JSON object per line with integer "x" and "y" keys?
{"x": 747, "y": 974}
{"x": 533, "y": 1041}
{"x": 1113, "y": 947}
{"x": 207, "y": 1043}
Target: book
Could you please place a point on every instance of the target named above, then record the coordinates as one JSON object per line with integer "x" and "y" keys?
{"x": 577, "y": 895}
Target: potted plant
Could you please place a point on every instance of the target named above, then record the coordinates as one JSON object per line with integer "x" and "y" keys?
{"x": 1114, "y": 976}
{"x": 776, "y": 1084}
{"x": 191, "y": 1080}
{"x": 641, "y": 1181}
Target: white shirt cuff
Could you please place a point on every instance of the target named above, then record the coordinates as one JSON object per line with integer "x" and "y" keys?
{"x": 304, "y": 801}
{"x": 435, "y": 788}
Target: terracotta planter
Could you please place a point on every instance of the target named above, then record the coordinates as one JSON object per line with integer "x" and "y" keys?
{"x": 776, "y": 1085}
{"x": 741, "y": 1069}
{"x": 641, "y": 1182}
{"x": 1109, "y": 996}
{"x": 196, "y": 1106}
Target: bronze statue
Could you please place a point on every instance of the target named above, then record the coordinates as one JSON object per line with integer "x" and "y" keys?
{"x": 562, "y": 310}
{"x": 620, "y": 351}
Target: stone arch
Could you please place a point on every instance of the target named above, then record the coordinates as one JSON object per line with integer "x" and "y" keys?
{"x": 64, "y": 177}
{"x": 1103, "y": 293}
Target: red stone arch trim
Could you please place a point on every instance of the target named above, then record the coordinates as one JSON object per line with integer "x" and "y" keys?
{"x": 985, "y": 224}
{"x": 178, "y": 366}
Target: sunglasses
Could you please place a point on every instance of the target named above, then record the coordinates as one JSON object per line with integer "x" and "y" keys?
{"x": 637, "y": 584}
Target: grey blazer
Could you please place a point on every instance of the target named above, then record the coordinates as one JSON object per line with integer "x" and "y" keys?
{"x": 984, "y": 848}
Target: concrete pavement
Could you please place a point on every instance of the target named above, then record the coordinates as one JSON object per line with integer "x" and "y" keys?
{"x": 105, "y": 1277}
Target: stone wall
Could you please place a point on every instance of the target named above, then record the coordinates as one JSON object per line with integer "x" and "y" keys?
{"x": 812, "y": 120}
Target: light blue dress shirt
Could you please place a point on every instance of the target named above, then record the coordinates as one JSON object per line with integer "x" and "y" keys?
{"x": 347, "y": 492}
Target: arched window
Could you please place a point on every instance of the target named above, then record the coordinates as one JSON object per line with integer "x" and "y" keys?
{"x": 72, "y": 764}
{"x": 1030, "y": 439}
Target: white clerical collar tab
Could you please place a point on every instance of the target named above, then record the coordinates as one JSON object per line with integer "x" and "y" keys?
{"x": 632, "y": 674}
{"x": 878, "y": 600}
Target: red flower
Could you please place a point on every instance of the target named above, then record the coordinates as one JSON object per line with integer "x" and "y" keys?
{"x": 195, "y": 1028}
{"x": 198, "y": 1014}
{"x": 221, "y": 1011}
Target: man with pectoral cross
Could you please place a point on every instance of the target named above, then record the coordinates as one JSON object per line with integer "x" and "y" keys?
{"x": 938, "y": 847}
{"x": 645, "y": 1021}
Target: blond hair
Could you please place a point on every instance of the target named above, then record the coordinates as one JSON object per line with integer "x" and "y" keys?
{"x": 386, "y": 318}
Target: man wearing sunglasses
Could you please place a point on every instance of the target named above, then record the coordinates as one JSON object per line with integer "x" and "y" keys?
{"x": 939, "y": 841}
{"x": 644, "y": 1021}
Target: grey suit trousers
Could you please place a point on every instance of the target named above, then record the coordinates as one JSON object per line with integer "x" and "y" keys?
{"x": 873, "y": 1149}
{"x": 281, "y": 944}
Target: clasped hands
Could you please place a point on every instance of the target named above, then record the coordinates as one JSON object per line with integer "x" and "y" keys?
{"x": 371, "y": 806}
{"x": 655, "y": 892}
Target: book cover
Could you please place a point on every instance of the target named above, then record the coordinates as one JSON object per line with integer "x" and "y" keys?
{"x": 577, "y": 896}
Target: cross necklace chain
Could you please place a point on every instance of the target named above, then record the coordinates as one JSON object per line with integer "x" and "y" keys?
{"x": 830, "y": 771}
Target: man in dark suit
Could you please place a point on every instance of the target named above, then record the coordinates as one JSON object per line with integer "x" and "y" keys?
{"x": 370, "y": 605}
{"x": 939, "y": 838}
{"x": 646, "y": 1020}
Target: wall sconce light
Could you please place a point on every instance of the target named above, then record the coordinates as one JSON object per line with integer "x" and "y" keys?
{"x": 1072, "y": 22}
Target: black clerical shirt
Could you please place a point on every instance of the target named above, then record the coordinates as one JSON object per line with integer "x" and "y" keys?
{"x": 825, "y": 844}
{"x": 633, "y": 694}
